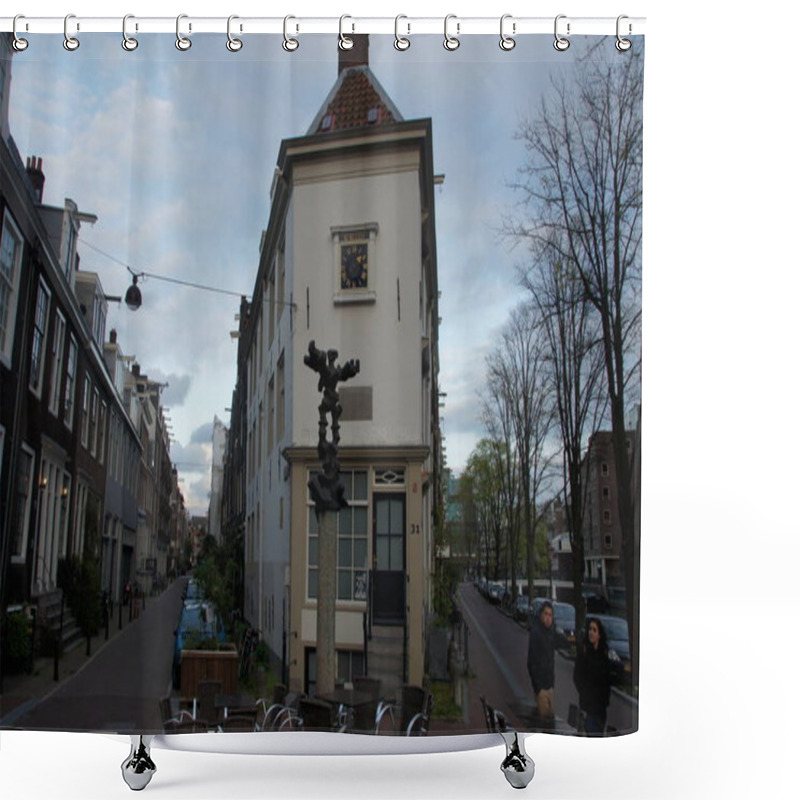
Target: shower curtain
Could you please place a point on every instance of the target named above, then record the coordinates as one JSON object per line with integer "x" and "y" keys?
{"x": 321, "y": 374}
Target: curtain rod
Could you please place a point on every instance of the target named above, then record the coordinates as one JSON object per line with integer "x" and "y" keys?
{"x": 402, "y": 25}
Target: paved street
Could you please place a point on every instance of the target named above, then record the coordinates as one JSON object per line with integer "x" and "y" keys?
{"x": 119, "y": 688}
{"x": 498, "y": 652}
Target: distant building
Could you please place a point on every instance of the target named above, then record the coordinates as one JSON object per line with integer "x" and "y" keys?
{"x": 218, "y": 445}
{"x": 602, "y": 534}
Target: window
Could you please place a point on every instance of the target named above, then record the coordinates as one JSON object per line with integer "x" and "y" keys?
{"x": 101, "y": 433}
{"x": 39, "y": 339}
{"x": 69, "y": 386}
{"x": 271, "y": 303}
{"x": 606, "y": 493}
{"x": 609, "y": 541}
{"x": 280, "y": 269}
{"x": 352, "y": 550}
{"x": 349, "y": 664}
{"x": 604, "y": 469}
{"x": 354, "y": 263}
{"x": 607, "y": 517}
{"x": 23, "y": 508}
{"x": 87, "y": 392}
{"x": 10, "y": 266}
{"x": 271, "y": 417}
{"x": 93, "y": 423}
{"x": 281, "y": 421}
{"x": 57, "y": 364}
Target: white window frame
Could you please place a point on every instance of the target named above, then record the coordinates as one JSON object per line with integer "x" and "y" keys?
{"x": 39, "y": 336}
{"x": 9, "y": 283}
{"x": 101, "y": 445}
{"x": 93, "y": 411}
{"x": 57, "y": 363}
{"x": 312, "y": 533}
{"x": 69, "y": 386}
{"x": 85, "y": 400}
{"x": 342, "y": 235}
{"x": 19, "y": 557}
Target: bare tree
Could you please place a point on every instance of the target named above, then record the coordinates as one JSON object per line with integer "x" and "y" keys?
{"x": 519, "y": 412}
{"x": 583, "y": 181}
{"x": 576, "y": 368}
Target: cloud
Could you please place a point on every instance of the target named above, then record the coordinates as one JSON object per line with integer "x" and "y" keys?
{"x": 203, "y": 434}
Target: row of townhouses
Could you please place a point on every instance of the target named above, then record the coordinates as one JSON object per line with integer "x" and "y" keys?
{"x": 348, "y": 261}
{"x": 84, "y": 448}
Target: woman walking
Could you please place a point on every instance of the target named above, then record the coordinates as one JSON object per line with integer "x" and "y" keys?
{"x": 592, "y": 677}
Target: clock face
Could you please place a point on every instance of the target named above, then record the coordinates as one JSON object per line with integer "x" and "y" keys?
{"x": 353, "y": 265}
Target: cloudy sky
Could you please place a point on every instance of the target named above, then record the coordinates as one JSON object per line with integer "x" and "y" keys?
{"x": 174, "y": 152}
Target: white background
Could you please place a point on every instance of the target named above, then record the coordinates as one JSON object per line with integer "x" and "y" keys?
{"x": 719, "y": 708}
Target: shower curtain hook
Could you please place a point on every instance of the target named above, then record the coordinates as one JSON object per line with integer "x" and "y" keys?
{"x": 19, "y": 44}
{"x": 451, "y": 42}
{"x": 128, "y": 42}
{"x": 561, "y": 44}
{"x": 400, "y": 42}
{"x": 345, "y": 42}
{"x": 70, "y": 42}
{"x": 623, "y": 45}
{"x": 233, "y": 44}
{"x": 289, "y": 44}
{"x": 181, "y": 42}
{"x": 506, "y": 42}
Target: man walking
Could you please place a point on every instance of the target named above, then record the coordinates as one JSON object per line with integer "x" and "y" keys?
{"x": 541, "y": 664}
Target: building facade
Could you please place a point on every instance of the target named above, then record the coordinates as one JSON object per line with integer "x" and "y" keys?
{"x": 348, "y": 261}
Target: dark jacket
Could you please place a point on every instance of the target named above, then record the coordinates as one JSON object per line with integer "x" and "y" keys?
{"x": 541, "y": 656}
{"x": 592, "y": 678}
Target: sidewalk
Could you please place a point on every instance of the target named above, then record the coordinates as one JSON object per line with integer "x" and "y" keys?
{"x": 23, "y": 691}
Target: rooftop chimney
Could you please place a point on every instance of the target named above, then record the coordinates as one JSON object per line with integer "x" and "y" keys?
{"x": 33, "y": 167}
{"x": 357, "y": 55}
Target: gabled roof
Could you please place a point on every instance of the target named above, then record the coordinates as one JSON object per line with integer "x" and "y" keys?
{"x": 357, "y": 100}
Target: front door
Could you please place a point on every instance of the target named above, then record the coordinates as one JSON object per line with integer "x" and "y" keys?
{"x": 389, "y": 559}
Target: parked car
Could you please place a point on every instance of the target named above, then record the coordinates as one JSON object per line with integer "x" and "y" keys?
{"x": 495, "y": 593}
{"x": 198, "y": 622}
{"x": 564, "y": 616}
{"x": 619, "y": 649}
{"x": 536, "y": 605}
{"x": 522, "y": 608}
{"x": 595, "y": 603}
{"x": 193, "y": 593}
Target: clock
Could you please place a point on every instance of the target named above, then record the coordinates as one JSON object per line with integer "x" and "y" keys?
{"x": 353, "y": 265}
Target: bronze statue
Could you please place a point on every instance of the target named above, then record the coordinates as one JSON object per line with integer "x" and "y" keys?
{"x": 327, "y": 491}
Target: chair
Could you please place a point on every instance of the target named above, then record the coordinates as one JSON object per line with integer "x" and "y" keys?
{"x": 165, "y": 706}
{"x": 186, "y": 724}
{"x": 364, "y": 717}
{"x": 207, "y": 691}
{"x": 418, "y": 725}
{"x": 238, "y": 722}
{"x": 269, "y": 710}
{"x": 412, "y": 702}
{"x": 370, "y": 686}
{"x": 495, "y": 720}
{"x": 316, "y": 715}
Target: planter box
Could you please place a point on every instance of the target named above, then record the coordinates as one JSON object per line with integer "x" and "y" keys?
{"x": 209, "y": 665}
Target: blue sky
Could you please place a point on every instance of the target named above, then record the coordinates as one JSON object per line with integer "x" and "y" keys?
{"x": 174, "y": 152}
